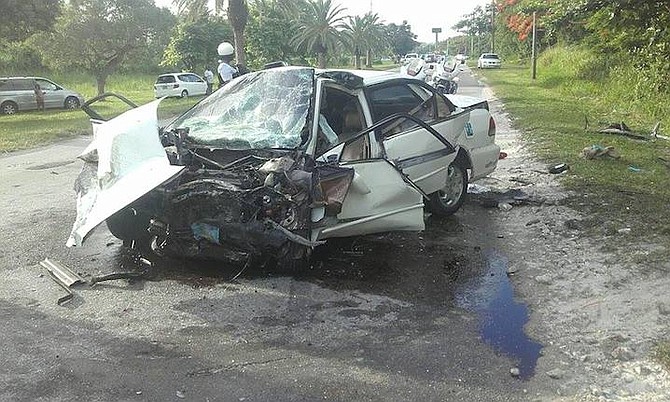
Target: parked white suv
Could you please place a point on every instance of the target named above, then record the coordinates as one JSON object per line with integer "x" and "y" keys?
{"x": 18, "y": 94}
{"x": 180, "y": 85}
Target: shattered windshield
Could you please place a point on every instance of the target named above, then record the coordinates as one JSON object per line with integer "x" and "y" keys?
{"x": 265, "y": 109}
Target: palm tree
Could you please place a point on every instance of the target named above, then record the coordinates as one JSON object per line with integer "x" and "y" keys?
{"x": 376, "y": 38}
{"x": 355, "y": 38}
{"x": 318, "y": 28}
{"x": 191, "y": 10}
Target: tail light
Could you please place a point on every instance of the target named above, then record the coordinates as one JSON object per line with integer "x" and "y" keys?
{"x": 492, "y": 127}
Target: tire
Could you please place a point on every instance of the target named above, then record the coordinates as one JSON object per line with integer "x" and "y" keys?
{"x": 447, "y": 201}
{"x": 184, "y": 94}
{"x": 129, "y": 224}
{"x": 71, "y": 103}
{"x": 9, "y": 108}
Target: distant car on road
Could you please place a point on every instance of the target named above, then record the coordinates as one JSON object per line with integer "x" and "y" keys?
{"x": 179, "y": 85}
{"x": 409, "y": 57}
{"x": 488, "y": 60}
{"x": 18, "y": 94}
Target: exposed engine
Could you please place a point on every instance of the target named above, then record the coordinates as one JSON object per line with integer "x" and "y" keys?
{"x": 253, "y": 206}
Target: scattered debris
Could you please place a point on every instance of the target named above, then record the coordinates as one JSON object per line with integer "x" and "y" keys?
{"x": 556, "y": 374}
{"x": 622, "y": 129}
{"x": 503, "y": 206}
{"x": 624, "y": 230}
{"x": 532, "y": 222}
{"x": 665, "y": 162}
{"x": 64, "y": 277}
{"x": 505, "y": 200}
{"x": 634, "y": 169}
{"x": 117, "y": 275}
{"x": 502, "y": 155}
{"x": 515, "y": 372}
{"x": 474, "y": 188}
{"x": 560, "y": 168}
{"x": 598, "y": 151}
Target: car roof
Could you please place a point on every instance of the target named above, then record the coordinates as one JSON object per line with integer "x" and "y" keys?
{"x": 371, "y": 77}
{"x": 24, "y": 78}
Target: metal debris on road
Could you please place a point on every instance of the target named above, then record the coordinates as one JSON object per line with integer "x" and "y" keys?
{"x": 63, "y": 276}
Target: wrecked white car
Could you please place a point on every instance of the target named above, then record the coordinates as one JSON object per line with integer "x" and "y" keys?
{"x": 280, "y": 160}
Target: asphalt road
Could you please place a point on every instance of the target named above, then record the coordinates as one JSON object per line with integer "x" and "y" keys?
{"x": 389, "y": 317}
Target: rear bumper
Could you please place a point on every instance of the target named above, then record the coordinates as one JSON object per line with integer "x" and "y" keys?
{"x": 484, "y": 160}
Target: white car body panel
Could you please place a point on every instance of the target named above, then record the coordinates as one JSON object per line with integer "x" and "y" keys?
{"x": 130, "y": 162}
{"x": 378, "y": 200}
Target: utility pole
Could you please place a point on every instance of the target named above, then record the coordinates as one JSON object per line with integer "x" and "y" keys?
{"x": 437, "y": 31}
{"x": 493, "y": 26}
{"x": 533, "y": 54}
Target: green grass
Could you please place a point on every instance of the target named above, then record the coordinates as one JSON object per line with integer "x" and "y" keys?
{"x": 663, "y": 354}
{"x": 552, "y": 112}
{"x": 34, "y": 128}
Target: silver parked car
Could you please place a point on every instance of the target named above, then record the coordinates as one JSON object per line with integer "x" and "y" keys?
{"x": 18, "y": 94}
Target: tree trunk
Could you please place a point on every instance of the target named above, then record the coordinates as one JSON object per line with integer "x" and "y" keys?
{"x": 368, "y": 57}
{"x": 239, "y": 46}
{"x": 238, "y": 15}
{"x": 101, "y": 80}
{"x": 358, "y": 60}
{"x": 322, "y": 59}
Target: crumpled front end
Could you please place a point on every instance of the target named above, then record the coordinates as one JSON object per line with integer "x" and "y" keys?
{"x": 125, "y": 161}
{"x": 258, "y": 207}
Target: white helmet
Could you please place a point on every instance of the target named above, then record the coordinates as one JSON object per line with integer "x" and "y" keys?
{"x": 225, "y": 49}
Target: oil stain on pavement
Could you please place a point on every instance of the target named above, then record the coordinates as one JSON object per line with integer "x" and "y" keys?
{"x": 502, "y": 318}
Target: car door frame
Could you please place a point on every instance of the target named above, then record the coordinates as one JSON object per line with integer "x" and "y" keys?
{"x": 408, "y": 216}
{"x": 429, "y": 179}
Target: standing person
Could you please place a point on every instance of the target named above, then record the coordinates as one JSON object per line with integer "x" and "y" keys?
{"x": 209, "y": 78}
{"x": 39, "y": 96}
{"x": 225, "y": 71}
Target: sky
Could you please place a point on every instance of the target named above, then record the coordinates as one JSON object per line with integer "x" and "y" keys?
{"x": 422, "y": 15}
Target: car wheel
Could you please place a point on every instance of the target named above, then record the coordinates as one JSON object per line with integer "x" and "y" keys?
{"x": 71, "y": 103}
{"x": 184, "y": 94}
{"x": 447, "y": 201}
{"x": 9, "y": 108}
{"x": 129, "y": 224}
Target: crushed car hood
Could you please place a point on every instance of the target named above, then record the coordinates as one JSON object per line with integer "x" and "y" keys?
{"x": 125, "y": 161}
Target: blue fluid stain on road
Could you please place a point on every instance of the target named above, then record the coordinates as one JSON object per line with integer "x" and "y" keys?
{"x": 501, "y": 317}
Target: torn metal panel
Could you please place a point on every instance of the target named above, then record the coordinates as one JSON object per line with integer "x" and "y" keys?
{"x": 63, "y": 276}
{"x": 130, "y": 162}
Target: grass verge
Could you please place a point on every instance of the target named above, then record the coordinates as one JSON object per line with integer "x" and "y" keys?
{"x": 34, "y": 128}
{"x": 663, "y": 354}
{"x": 552, "y": 112}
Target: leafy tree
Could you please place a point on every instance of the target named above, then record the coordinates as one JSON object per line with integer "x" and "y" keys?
{"x": 477, "y": 25}
{"x": 400, "y": 38}
{"x": 20, "y": 19}
{"x": 318, "y": 28}
{"x": 193, "y": 44}
{"x": 99, "y": 35}
{"x": 269, "y": 33}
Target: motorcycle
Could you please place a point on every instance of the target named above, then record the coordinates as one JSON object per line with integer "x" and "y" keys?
{"x": 446, "y": 82}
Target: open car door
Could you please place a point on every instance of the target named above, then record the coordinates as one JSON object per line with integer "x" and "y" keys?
{"x": 381, "y": 196}
{"x": 418, "y": 150}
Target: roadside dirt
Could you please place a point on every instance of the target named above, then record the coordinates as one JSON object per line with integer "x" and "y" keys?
{"x": 599, "y": 304}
